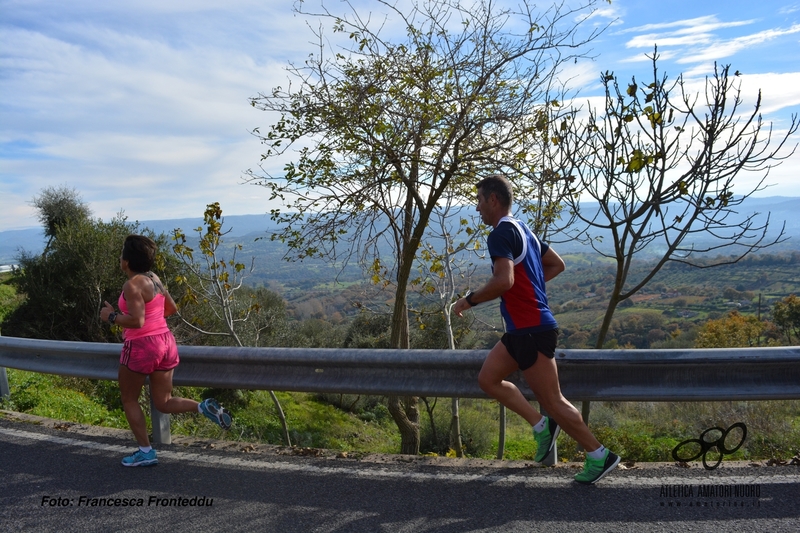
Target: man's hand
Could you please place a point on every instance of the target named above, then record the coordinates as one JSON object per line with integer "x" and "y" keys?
{"x": 460, "y": 306}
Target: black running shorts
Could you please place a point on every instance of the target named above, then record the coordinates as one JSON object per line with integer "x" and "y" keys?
{"x": 524, "y": 348}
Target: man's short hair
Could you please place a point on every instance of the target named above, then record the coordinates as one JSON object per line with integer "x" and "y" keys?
{"x": 500, "y": 186}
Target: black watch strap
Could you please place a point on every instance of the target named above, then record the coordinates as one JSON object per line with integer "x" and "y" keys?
{"x": 468, "y": 298}
{"x": 112, "y": 316}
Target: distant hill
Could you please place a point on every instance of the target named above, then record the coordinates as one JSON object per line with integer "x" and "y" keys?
{"x": 245, "y": 228}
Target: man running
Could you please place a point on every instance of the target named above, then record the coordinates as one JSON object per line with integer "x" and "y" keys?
{"x": 521, "y": 265}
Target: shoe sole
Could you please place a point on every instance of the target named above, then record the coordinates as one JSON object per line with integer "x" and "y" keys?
{"x": 142, "y": 463}
{"x": 225, "y": 419}
{"x": 556, "y": 433}
{"x": 601, "y": 476}
{"x": 218, "y": 414}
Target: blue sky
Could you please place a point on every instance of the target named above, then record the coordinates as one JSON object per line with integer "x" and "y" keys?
{"x": 143, "y": 107}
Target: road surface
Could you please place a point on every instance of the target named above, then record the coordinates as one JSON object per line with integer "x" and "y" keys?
{"x": 67, "y": 477}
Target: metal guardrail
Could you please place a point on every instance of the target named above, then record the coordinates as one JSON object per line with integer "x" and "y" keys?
{"x": 585, "y": 375}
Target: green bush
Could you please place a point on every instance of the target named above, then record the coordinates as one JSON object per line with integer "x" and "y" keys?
{"x": 42, "y": 395}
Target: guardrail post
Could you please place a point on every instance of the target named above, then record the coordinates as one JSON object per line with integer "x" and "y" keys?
{"x": 5, "y": 390}
{"x": 501, "y": 441}
{"x": 161, "y": 431}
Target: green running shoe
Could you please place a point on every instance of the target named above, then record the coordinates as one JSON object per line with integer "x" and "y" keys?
{"x": 595, "y": 469}
{"x": 546, "y": 439}
{"x": 139, "y": 458}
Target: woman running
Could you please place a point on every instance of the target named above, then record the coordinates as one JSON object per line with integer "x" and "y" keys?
{"x": 149, "y": 349}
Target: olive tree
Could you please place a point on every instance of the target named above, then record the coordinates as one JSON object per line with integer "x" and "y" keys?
{"x": 65, "y": 287}
{"x": 58, "y": 206}
{"x": 376, "y": 126}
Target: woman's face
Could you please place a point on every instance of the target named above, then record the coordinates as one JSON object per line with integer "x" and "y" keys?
{"x": 123, "y": 263}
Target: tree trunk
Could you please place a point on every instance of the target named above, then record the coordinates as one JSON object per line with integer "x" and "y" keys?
{"x": 405, "y": 413}
{"x": 282, "y": 417}
{"x": 586, "y": 406}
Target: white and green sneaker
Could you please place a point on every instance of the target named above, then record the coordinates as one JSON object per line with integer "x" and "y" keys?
{"x": 546, "y": 439}
{"x": 595, "y": 469}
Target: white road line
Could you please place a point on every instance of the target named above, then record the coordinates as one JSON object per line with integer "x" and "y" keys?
{"x": 371, "y": 470}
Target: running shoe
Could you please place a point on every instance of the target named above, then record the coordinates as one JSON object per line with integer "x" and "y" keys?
{"x": 595, "y": 469}
{"x": 139, "y": 458}
{"x": 546, "y": 439}
{"x": 216, "y": 413}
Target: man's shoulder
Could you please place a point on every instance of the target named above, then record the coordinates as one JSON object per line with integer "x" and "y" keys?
{"x": 505, "y": 230}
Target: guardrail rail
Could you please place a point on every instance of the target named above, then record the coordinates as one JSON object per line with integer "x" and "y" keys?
{"x": 586, "y": 375}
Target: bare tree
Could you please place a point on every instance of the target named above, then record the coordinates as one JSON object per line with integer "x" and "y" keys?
{"x": 445, "y": 266}
{"x": 661, "y": 162}
{"x": 383, "y": 129}
{"x": 215, "y": 284}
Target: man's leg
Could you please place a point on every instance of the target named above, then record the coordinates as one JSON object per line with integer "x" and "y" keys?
{"x": 496, "y": 368}
{"x": 542, "y": 378}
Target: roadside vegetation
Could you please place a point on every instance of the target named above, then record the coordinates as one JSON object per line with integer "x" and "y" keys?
{"x": 751, "y": 304}
{"x": 638, "y": 431}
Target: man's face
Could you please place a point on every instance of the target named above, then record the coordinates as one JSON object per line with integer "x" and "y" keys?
{"x": 483, "y": 207}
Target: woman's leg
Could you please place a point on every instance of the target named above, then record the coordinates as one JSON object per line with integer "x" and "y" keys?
{"x": 130, "y": 387}
{"x": 161, "y": 392}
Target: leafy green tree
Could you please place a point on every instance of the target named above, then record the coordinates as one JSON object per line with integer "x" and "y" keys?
{"x": 385, "y": 126}
{"x": 217, "y": 284}
{"x": 9, "y": 299}
{"x": 58, "y": 206}
{"x": 65, "y": 287}
{"x": 786, "y": 314}
{"x": 732, "y": 331}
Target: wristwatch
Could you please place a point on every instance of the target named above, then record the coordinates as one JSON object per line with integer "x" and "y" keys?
{"x": 468, "y": 298}
{"x": 112, "y": 316}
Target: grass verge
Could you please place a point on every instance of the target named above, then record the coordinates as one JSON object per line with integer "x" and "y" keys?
{"x": 637, "y": 431}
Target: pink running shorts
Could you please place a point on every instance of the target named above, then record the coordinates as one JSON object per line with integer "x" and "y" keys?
{"x": 146, "y": 355}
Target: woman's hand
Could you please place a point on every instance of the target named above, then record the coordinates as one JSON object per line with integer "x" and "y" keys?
{"x": 106, "y": 310}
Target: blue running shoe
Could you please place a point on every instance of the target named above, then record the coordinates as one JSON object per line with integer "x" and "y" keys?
{"x": 546, "y": 439}
{"x": 139, "y": 458}
{"x": 216, "y": 413}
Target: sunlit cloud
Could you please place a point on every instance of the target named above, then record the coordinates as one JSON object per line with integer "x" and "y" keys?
{"x": 727, "y": 48}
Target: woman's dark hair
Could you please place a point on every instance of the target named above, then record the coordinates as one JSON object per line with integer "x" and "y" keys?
{"x": 499, "y": 185}
{"x": 140, "y": 252}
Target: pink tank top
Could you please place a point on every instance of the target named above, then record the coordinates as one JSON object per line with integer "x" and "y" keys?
{"x": 154, "y": 321}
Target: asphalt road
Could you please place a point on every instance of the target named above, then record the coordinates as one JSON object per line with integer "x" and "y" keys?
{"x": 60, "y": 477}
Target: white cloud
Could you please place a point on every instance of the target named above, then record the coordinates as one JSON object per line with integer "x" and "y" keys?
{"x": 720, "y": 49}
{"x": 144, "y": 106}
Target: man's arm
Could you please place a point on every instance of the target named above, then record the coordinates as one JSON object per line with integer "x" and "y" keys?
{"x": 502, "y": 279}
{"x": 552, "y": 264}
